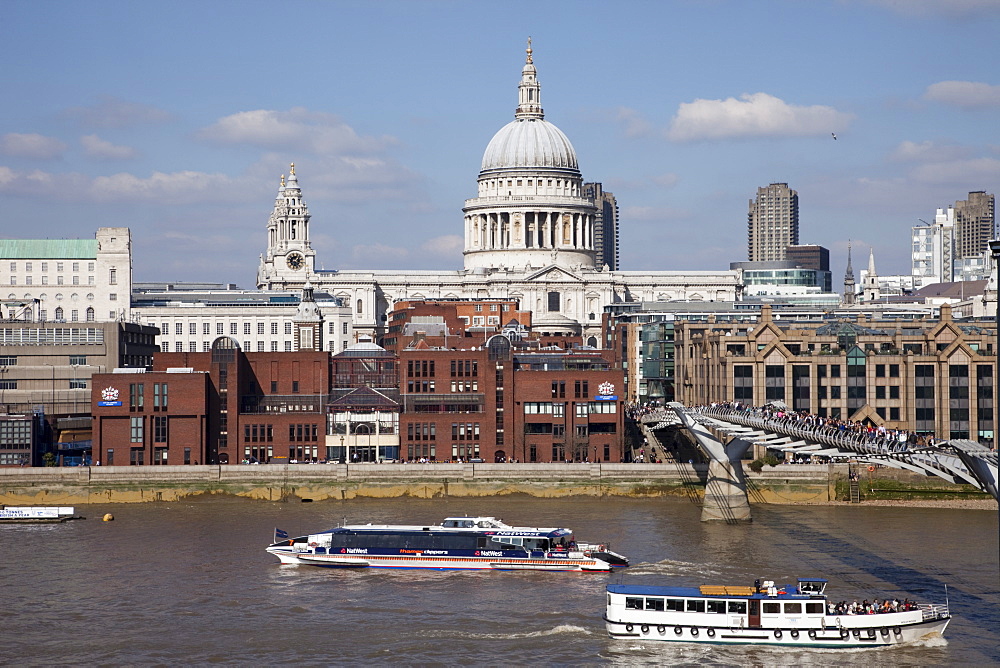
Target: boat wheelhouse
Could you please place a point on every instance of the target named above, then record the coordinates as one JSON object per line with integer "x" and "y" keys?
{"x": 483, "y": 543}
{"x": 762, "y": 614}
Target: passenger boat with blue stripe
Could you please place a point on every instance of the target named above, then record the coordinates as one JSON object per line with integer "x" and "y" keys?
{"x": 798, "y": 615}
{"x": 475, "y": 543}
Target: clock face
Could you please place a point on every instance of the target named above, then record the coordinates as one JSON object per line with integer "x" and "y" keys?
{"x": 295, "y": 261}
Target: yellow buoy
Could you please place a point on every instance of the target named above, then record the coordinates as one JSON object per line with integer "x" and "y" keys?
{"x": 109, "y": 517}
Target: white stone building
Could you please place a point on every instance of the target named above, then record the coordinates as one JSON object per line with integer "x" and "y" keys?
{"x": 67, "y": 280}
{"x": 191, "y": 317}
{"x": 529, "y": 235}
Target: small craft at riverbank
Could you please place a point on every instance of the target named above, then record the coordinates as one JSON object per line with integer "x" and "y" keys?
{"x": 37, "y": 514}
{"x": 468, "y": 543}
{"x": 762, "y": 615}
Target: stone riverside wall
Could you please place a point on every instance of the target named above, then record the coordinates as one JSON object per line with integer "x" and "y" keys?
{"x": 278, "y": 482}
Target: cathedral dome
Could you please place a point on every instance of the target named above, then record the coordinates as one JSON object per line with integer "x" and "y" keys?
{"x": 529, "y": 143}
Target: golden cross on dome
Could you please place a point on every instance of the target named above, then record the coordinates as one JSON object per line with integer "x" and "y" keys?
{"x": 529, "y": 49}
{"x": 282, "y": 180}
{"x": 293, "y": 169}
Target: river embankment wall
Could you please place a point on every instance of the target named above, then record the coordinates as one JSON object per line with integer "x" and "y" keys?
{"x": 276, "y": 482}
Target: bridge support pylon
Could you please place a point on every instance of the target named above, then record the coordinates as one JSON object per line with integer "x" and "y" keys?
{"x": 726, "y": 497}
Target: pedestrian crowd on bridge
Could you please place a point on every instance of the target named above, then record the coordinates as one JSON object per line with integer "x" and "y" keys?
{"x": 870, "y": 436}
{"x": 870, "y": 608}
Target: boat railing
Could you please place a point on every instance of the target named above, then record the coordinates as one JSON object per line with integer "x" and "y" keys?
{"x": 931, "y": 611}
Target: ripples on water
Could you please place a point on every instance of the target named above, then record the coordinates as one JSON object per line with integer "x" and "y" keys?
{"x": 189, "y": 583}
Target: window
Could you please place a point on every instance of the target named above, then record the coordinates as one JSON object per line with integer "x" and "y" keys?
{"x": 135, "y": 396}
{"x": 288, "y": 328}
{"x": 135, "y": 429}
{"x": 160, "y": 429}
{"x": 274, "y": 328}
{"x": 220, "y": 328}
{"x": 79, "y": 360}
{"x": 260, "y": 328}
{"x": 554, "y": 301}
{"x": 113, "y": 277}
{"x": 246, "y": 328}
{"x": 192, "y": 328}
{"x": 234, "y": 328}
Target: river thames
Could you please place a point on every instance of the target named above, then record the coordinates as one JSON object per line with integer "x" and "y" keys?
{"x": 189, "y": 583}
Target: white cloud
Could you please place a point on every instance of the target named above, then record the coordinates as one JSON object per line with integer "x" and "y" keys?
{"x": 159, "y": 186}
{"x": 753, "y": 115}
{"x": 446, "y": 245}
{"x": 35, "y": 146}
{"x": 633, "y": 123}
{"x": 377, "y": 254}
{"x": 928, "y": 151}
{"x": 946, "y": 8}
{"x": 973, "y": 174}
{"x": 96, "y": 147}
{"x": 965, "y": 94}
{"x": 296, "y": 129}
{"x": 112, "y": 112}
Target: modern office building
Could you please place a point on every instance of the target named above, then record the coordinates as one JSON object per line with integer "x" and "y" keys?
{"x": 772, "y": 223}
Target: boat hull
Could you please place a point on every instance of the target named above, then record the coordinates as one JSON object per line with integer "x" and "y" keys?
{"x": 827, "y": 637}
{"x": 290, "y": 556}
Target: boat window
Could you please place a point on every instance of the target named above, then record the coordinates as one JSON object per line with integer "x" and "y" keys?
{"x": 695, "y": 605}
{"x": 771, "y": 608}
{"x": 793, "y": 608}
{"x": 654, "y": 604}
{"x": 717, "y": 607}
{"x": 738, "y": 607}
{"x": 633, "y": 603}
{"x": 814, "y": 609}
{"x": 675, "y": 604}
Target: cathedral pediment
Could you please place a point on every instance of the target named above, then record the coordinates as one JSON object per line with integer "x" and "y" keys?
{"x": 554, "y": 273}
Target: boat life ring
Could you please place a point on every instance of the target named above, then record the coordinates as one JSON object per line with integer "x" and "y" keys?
{"x": 678, "y": 630}
{"x": 629, "y": 627}
{"x": 710, "y": 633}
{"x": 645, "y": 628}
{"x": 661, "y": 629}
{"x": 857, "y": 633}
{"x": 314, "y": 544}
{"x": 884, "y": 631}
{"x": 794, "y": 633}
{"x": 871, "y": 633}
{"x": 600, "y": 548}
{"x": 871, "y": 469}
{"x": 897, "y": 631}
{"x": 844, "y": 633}
{"x": 586, "y": 553}
{"x": 777, "y": 634}
{"x": 694, "y": 631}
{"x": 812, "y": 634}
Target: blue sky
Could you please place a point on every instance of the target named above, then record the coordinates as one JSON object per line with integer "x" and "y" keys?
{"x": 177, "y": 119}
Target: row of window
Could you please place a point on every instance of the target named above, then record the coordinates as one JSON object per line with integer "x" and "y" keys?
{"x": 60, "y": 266}
{"x": 558, "y": 409}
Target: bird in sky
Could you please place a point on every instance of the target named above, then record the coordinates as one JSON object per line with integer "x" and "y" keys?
{"x": 834, "y": 135}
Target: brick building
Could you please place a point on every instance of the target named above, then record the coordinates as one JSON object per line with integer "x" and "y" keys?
{"x": 505, "y": 401}
{"x": 223, "y": 406}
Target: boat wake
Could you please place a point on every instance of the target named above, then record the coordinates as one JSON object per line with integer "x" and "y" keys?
{"x": 562, "y": 629}
{"x": 669, "y": 567}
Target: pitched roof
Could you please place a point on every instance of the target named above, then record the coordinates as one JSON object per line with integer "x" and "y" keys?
{"x": 45, "y": 249}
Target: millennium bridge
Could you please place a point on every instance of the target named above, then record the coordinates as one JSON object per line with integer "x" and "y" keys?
{"x": 957, "y": 461}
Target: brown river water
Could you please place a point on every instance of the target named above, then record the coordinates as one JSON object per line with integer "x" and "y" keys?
{"x": 189, "y": 583}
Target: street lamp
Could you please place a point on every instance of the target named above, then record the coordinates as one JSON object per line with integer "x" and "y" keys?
{"x": 343, "y": 454}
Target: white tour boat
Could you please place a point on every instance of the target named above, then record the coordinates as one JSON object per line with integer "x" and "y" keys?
{"x": 762, "y": 615}
{"x": 457, "y": 543}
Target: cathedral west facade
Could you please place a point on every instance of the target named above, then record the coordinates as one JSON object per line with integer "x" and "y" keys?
{"x": 529, "y": 235}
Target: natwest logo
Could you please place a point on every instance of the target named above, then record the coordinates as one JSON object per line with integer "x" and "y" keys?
{"x": 109, "y": 394}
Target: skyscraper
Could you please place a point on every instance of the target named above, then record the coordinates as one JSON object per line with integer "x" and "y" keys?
{"x": 772, "y": 223}
{"x": 974, "y": 224}
{"x": 605, "y": 225}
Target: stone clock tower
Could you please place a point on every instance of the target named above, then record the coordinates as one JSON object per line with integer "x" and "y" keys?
{"x": 290, "y": 258}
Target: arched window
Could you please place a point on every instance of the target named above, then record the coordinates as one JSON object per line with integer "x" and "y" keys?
{"x": 90, "y": 314}
{"x": 360, "y": 306}
{"x": 59, "y": 313}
